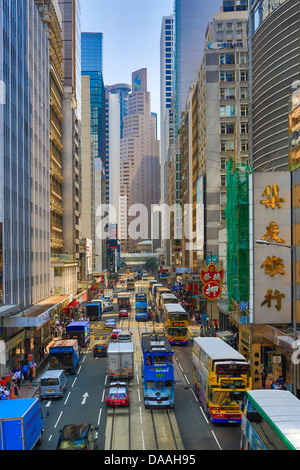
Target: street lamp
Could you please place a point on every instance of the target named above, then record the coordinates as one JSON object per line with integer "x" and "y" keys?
{"x": 293, "y": 249}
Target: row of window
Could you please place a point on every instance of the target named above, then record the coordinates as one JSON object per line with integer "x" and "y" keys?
{"x": 230, "y": 58}
{"x": 231, "y": 75}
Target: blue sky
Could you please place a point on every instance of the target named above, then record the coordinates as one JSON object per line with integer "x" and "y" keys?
{"x": 131, "y": 37}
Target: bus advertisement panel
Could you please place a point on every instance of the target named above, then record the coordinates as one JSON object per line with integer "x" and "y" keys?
{"x": 221, "y": 377}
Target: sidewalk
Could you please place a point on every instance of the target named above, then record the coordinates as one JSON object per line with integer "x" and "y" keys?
{"x": 29, "y": 392}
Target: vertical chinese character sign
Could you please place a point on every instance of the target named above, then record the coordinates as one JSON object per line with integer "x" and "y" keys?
{"x": 272, "y": 263}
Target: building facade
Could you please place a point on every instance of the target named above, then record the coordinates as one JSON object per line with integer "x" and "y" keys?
{"x": 24, "y": 155}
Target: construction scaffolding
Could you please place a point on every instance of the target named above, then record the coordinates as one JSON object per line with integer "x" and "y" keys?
{"x": 237, "y": 220}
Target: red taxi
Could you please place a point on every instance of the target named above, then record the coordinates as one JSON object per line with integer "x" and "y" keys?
{"x": 118, "y": 394}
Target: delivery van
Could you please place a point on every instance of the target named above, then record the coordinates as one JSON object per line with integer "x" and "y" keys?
{"x": 53, "y": 383}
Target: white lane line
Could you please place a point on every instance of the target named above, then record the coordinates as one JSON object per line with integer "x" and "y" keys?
{"x": 187, "y": 379}
{"x": 99, "y": 416}
{"x": 180, "y": 367}
{"x": 195, "y": 396}
{"x": 141, "y": 417}
{"x": 204, "y": 415}
{"x": 79, "y": 370}
{"x": 58, "y": 419}
{"x": 50, "y": 437}
{"x": 48, "y": 404}
{"x": 103, "y": 396}
{"x": 216, "y": 440}
{"x": 67, "y": 398}
{"x": 143, "y": 440}
{"x": 74, "y": 382}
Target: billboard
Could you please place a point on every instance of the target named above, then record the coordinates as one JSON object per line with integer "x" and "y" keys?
{"x": 88, "y": 256}
{"x": 272, "y": 263}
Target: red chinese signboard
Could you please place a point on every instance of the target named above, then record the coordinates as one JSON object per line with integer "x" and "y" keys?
{"x": 212, "y": 278}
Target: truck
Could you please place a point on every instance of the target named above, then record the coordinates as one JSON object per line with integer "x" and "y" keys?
{"x": 108, "y": 294}
{"x": 120, "y": 361}
{"x": 65, "y": 355}
{"x": 93, "y": 310}
{"x": 124, "y": 300}
{"x": 21, "y": 424}
{"x": 79, "y": 330}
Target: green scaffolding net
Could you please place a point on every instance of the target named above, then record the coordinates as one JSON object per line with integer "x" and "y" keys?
{"x": 237, "y": 220}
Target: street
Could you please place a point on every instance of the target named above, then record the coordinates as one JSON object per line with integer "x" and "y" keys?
{"x": 185, "y": 428}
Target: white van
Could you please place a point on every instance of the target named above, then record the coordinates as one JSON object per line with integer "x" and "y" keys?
{"x": 124, "y": 337}
{"x": 53, "y": 383}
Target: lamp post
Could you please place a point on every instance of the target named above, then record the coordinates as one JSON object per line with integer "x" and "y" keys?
{"x": 293, "y": 250}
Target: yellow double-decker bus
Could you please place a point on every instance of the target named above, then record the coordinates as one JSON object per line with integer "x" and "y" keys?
{"x": 176, "y": 322}
{"x": 221, "y": 377}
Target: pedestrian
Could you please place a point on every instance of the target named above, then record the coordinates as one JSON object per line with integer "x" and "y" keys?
{"x": 3, "y": 382}
{"x": 2, "y": 396}
{"x": 42, "y": 352}
{"x": 264, "y": 376}
{"x": 25, "y": 370}
{"x": 16, "y": 390}
{"x": 18, "y": 376}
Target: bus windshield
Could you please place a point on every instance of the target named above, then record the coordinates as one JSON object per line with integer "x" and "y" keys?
{"x": 178, "y": 316}
{"x": 226, "y": 398}
{"x": 176, "y": 331}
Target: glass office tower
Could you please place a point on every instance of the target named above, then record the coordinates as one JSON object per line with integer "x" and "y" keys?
{"x": 24, "y": 155}
{"x": 91, "y": 51}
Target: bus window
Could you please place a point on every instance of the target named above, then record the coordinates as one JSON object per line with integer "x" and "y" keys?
{"x": 169, "y": 384}
{"x": 159, "y": 385}
{"x": 169, "y": 359}
{"x": 148, "y": 360}
{"x": 159, "y": 360}
{"x": 150, "y": 384}
{"x": 227, "y": 398}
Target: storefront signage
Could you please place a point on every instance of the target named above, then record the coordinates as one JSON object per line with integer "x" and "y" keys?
{"x": 272, "y": 262}
{"x": 212, "y": 278}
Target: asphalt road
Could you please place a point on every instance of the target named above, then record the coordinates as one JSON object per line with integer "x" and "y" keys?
{"x": 84, "y": 400}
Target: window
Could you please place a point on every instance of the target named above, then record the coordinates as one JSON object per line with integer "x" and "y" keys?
{"x": 244, "y": 145}
{"x": 227, "y": 93}
{"x": 243, "y": 58}
{"x": 223, "y": 163}
{"x": 229, "y": 27}
{"x": 243, "y": 93}
{"x": 227, "y": 145}
{"x": 227, "y": 59}
{"x": 243, "y": 75}
{"x": 220, "y": 27}
{"x": 227, "y": 76}
{"x": 244, "y": 110}
{"x": 227, "y": 110}
{"x": 223, "y": 181}
{"x": 227, "y": 128}
{"x": 239, "y": 26}
{"x": 244, "y": 127}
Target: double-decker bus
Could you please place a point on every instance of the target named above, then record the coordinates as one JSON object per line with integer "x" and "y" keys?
{"x": 158, "y": 371}
{"x": 176, "y": 322}
{"x": 159, "y": 292}
{"x": 221, "y": 377}
{"x": 271, "y": 421}
{"x": 167, "y": 299}
{"x": 124, "y": 300}
{"x": 141, "y": 306}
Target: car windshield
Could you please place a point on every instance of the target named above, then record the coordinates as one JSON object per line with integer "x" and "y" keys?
{"x": 117, "y": 395}
{"x": 49, "y": 381}
{"x": 79, "y": 444}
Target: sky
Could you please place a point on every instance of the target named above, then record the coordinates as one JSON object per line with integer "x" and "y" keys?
{"x": 131, "y": 38}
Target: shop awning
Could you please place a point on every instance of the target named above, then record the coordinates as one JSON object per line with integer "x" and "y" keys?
{"x": 38, "y": 314}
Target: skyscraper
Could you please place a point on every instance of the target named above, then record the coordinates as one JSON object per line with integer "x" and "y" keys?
{"x": 91, "y": 66}
{"x": 140, "y": 175}
{"x": 24, "y": 155}
{"x": 71, "y": 10}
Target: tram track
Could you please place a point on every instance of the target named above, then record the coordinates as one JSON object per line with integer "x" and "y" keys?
{"x": 163, "y": 430}
{"x": 120, "y": 433}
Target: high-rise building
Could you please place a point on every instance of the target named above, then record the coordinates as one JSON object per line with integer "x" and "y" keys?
{"x": 71, "y": 109}
{"x": 191, "y": 21}
{"x": 92, "y": 66}
{"x": 275, "y": 64}
{"x": 24, "y": 155}
{"x": 140, "y": 175}
{"x": 166, "y": 119}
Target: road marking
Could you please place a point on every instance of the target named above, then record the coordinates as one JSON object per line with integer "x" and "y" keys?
{"x": 216, "y": 440}
{"x": 99, "y": 416}
{"x": 74, "y": 382}
{"x": 187, "y": 379}
{"x": 58, "y": 419}
{"x": 195, "y": 396}
{"x": 204, "y": 415}
{"x": 48, "y": 404}
{"x": 79, "y": 370}
{"x": 67, "y": 398}
{"x": 50, "y": 437}
{"x": 143, "y": 440}
{"x": 84, "y": 398}
{"x": 103, "y": 395}
{"x": 180, "y": 366}
{"x": 141, "y": 417}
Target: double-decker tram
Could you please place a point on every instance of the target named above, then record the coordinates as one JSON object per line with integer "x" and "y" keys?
{"x": 158, "y": 371}
{"x": 176, "y": 321}
{"x": 221, "y": 377}
{"x": 141, "y": 306}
